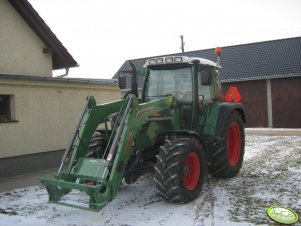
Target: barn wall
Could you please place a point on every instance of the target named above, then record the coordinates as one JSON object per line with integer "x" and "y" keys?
{"x": 286, "y": 99}
{"x": 254, "y": 100}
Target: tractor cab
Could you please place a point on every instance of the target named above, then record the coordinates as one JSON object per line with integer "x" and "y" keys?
{"x": 191, "y": 81}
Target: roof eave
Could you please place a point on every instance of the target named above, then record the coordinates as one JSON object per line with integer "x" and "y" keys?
{"x": 260, "y": 78}
{"x": 60, "y": 55}
{"x": 60, "y": 80}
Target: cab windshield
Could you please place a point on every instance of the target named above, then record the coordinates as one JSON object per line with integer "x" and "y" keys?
{"x": 166, "y": 82}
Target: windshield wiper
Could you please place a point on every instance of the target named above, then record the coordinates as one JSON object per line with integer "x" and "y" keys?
{"x": 164, "y": 95}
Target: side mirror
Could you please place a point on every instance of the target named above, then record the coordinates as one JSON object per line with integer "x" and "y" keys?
{"x": 122, "y": 82}
{"x": 206, "y": 76}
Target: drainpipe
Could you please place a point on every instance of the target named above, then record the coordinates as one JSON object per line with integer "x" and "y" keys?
{"x": 64, "y": 75}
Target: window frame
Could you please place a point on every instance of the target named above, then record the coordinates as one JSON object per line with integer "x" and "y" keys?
{"x": 146, "y": 87}
{"x": 8, "y": 104}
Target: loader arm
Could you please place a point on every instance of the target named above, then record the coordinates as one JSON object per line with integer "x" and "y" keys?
{"x": 106, "y": 174}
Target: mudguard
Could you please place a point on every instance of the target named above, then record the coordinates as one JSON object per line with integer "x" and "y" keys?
{"x": 226, "y": 109}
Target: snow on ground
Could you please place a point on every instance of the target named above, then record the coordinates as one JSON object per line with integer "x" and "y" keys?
{"x": 271, "y": 174}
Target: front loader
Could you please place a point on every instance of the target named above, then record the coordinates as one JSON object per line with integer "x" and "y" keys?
{"x": 180, "y": 130}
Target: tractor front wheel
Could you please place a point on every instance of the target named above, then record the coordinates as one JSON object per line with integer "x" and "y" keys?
{"x": 97, "y": 146}
{"x": 180, "y": 170}
{"x": 229, "y": 151}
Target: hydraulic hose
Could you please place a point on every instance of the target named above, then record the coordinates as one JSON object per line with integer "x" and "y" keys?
{"x": 69, "y": 147}
{"x": 114, "y": 145}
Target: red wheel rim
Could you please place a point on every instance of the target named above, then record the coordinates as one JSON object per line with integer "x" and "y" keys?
{"x": 192, "y": 171}
{"x": 233, "y": 144}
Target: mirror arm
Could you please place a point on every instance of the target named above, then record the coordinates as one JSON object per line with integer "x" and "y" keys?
{"x": 134, "y": 85}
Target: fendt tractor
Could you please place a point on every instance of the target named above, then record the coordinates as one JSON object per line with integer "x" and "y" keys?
{"x": 180, "y": 130}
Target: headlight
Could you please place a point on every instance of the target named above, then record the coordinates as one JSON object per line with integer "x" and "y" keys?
{"x": 159, "y": 61}
{"x": 152, "y": 61}
{"x": 168, "y": 59}
{"x": 178, "y": 59}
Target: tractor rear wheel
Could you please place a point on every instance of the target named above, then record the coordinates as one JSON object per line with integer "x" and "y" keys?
{"x": 229, "y": 151}
{"x": 180, "y": 170}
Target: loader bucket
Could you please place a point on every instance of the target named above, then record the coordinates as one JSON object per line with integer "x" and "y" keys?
{"x": 98, "y": 193}
{"x": 99, "y": 178}
{"x": 85, "y": 176}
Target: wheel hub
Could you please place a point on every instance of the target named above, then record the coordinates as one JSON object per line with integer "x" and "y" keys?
{"x": 233, "y": 144}
{"x": 191, "y": 171}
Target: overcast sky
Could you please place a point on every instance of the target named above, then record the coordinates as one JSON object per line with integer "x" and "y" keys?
{"x": 102, "y": 34}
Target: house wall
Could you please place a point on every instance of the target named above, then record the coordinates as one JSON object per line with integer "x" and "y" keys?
{"x": 21, "y": 49}
{"x": 46, "y": 114}
{"x": 286, "y": 99}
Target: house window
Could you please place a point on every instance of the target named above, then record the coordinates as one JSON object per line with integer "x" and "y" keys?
{"x": 6, "y": 110}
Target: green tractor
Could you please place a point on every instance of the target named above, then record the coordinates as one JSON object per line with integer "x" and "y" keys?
{"x": 181, "y": 130}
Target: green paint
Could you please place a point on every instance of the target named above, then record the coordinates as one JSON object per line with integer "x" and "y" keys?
{"x": 207, "y": 119}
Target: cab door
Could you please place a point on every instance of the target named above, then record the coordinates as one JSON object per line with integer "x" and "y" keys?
{"x": 205, "y": 95}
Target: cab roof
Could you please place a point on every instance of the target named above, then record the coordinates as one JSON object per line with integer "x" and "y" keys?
{"x": 178, "y": 60}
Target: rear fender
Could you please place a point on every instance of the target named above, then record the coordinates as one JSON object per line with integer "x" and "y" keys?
{"x": 225, "y": 110}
